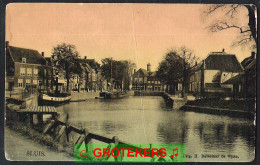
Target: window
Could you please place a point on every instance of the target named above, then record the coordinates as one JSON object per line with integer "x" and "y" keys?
{"x": 35, "y": 82}
{"x": 29, "y": 71}
{"x": 22, "y": 71}
{"x": 23, "y": 60}
{"x": 20, "y": 82}
{"x": 28, "y": 82}
{"x": 35, "y": 72}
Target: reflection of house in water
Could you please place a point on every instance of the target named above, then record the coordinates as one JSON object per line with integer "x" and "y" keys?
{"x": 146, "y": 80}
{"x": 226, "y": 134}
{"x": 212, "y": 74}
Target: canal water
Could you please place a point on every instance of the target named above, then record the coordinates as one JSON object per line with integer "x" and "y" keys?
{"x": 147, "y": 119}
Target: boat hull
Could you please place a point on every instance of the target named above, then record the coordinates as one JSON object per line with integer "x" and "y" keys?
{"x": 45, "y": 99}
{"x": 110, "y": 95}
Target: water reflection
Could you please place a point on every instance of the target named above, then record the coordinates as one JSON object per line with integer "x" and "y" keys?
{"x": 147, "y": 120}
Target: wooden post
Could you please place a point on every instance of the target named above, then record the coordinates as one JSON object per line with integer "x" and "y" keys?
{"x": 62, "y": 130}
{"x": 40, "y": 118}
{"x": 80, "y": 141}
{"x": 119, "y": 158}
{"x": 31, "y": 119}
{"x": 88, "y": 138}
{"x": 53, "y": 116}
{"x": 49, "y": 127}
{"x": 67, "y": 131}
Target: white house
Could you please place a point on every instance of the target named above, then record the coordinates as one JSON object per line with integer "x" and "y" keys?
{"x": 211, "y": 74}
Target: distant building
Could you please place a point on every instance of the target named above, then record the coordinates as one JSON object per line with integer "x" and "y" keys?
{"x": 96, "y": 79}
{"x": 25, "y": 68}
{"x": 146, "y": 80}
{"x": 213, "y": 73}
{"x": 85, "y": 80}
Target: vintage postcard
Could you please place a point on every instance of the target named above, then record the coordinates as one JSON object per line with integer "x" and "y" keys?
{"x": 130, "y": 82}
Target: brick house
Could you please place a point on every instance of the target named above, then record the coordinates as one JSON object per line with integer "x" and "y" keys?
{"x": 25, "y": 69}
{"x": 146, "y": 80}
{"x": 210, "y": 75}
{"x": 86, "y": 77}
{"x": 96, "y": 80}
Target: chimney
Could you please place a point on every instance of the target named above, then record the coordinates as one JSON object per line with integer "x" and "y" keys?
{"x": 85, "y": 57}
{"x": 148, "y": 67}
{"x": 223, "y": 50}
{"x": 252, "y": 55}
{"x": 7, "y": 44}
{"x": 42, "y": 54}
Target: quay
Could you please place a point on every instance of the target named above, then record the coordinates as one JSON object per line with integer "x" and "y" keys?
{"x": 171, "y": 101}
{"x": 176, "y": 102}
{"x": 218, "y": 111}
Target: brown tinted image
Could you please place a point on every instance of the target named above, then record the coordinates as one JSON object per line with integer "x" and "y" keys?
{"x": 141, "y": 75}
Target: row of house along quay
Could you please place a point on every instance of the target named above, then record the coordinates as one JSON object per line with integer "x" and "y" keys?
{"x": 220, "y": 73}
{"x": 28, "y": 70}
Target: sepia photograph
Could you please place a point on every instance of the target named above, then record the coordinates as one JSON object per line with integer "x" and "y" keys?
{"x": 130, "y": 82}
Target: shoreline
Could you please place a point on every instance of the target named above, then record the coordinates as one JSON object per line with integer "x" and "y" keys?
{"x": 218, "y": 111}
{"x": 195, "y": 105}
{"x": 23, "y": 148}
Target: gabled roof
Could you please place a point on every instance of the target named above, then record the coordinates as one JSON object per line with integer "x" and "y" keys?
{"x": 48, "y": 60}
{"x": 197, "y": 67}
{"x": 246, "y": 61}
{"x": 85, "y": 65}
{"x": 223, "y": 62}
{"x": 92, "y": 63}
{"x": 251, "y": 65}
{"x": 141, "y": 71}
{"x": 32, "y": 56}
{"x": 152, "y": 74}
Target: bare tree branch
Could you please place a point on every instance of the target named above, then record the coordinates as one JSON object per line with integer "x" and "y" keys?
{"x": 248, "y": 32}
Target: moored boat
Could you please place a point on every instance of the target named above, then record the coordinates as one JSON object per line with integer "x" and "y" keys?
{"x": 112, "y": 95}
{"x": 51, "y": 99}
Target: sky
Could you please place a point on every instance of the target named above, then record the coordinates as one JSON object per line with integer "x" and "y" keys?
{"x": 142, "y": 33}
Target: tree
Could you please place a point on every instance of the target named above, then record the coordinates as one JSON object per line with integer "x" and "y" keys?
{"x": 170, "y": 70}
{"x": 248, "y": 33}
{"x": 175, "y": 68}
{"x": 118, "y": 72}
{"x": 129, "y": 73}
{"x": 65, "y": 58}
{"x": 189, "y": 61}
